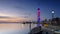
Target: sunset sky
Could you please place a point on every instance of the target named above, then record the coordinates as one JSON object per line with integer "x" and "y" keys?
{"x": 25, "y": 10}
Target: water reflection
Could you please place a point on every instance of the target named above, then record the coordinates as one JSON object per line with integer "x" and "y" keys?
{"x": 15, "y": 28}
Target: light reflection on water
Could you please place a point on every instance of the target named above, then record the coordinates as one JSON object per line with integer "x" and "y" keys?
{"x": 15, "y": 28}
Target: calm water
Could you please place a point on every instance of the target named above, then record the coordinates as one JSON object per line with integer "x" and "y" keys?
{"x": 15, "y": 28}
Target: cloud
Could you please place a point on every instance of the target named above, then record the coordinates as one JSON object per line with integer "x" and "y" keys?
{"x": 5, "y": 17}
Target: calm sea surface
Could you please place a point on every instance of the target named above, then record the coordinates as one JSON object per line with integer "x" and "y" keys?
{"x": 15, "y": 28}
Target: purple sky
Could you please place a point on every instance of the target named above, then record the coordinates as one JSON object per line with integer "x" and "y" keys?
{"x": 28, "y": 8}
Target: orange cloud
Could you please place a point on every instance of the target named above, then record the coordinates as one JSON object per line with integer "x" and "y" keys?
{"x": 12, "y": 19}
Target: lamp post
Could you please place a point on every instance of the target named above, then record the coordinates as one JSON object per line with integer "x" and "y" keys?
{"x": 30, "y": 26}
{"x": 30, "y": 23}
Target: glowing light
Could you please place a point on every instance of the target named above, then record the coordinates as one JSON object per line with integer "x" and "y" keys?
{"x": 52, "y": 11}
{"x": 38, "y": 17}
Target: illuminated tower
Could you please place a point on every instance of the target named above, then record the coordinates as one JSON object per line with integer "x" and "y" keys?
{"x": 52, "y": 14}
{"x": 38, "y": 17}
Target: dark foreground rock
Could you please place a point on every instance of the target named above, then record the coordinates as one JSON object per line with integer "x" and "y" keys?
{"x": 37, "y": 30}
